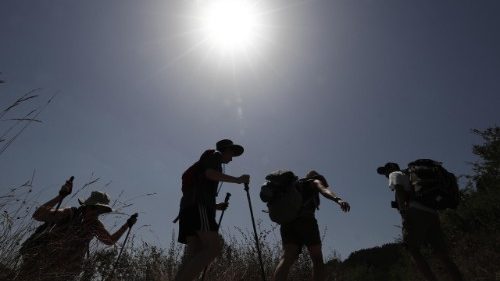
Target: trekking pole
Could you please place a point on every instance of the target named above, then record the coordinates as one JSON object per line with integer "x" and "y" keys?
{"x": 52, "y": 225}
{"x": 262, "y": 272}
{"x": 60, "y": 201}
{"x": 226, "y": 200}
{"x": 121, "y": 250}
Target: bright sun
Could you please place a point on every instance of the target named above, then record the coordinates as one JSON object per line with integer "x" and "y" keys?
{"x": 231, "y": 26}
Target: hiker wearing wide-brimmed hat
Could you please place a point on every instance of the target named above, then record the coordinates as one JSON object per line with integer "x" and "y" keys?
{"x": 197, "y": 226}
{"x": 57, "y": 248}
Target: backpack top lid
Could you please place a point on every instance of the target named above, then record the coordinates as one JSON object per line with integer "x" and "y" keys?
{"x": 433, "y": 185}
{"x": 276, "y": 183}
{"x": 425, "y": 162}
{"x": 426, "y": 174}
{"x": 282, "y": 178}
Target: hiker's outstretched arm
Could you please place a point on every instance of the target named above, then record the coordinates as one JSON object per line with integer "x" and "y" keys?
{"x": 327, "y": 193}
{"x": 103, "y": 235}
{"x": 218, "y": 176}
{"x": 46, "y": 212}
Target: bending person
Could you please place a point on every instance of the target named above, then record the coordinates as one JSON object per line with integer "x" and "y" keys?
{"x": 304, "y": 230}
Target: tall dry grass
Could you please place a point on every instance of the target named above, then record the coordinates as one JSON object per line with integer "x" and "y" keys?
{"x": 140, "y": 260}
{"x": 14, "y": 122}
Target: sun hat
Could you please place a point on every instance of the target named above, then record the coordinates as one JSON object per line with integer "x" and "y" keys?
{"x": 228, "y": 144}
{"x": 97, "y": 199}
{"x": 389, "y": 166}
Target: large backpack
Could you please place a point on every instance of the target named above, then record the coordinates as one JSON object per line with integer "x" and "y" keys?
{"x": 283, "y": 199}
{"x": 47, "y": 234}
{"x": 433, "y": 185}
{"x": 192, "y": 178}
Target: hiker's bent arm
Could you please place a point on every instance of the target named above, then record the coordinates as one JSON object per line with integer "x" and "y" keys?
{"x": 109, "y": 239}
{"x": 218, "y": 176}
{"x": 47, "y": 213}
{"x": 402, "y": 197}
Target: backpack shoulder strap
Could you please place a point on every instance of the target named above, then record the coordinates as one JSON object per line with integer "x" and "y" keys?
{"x": 301, "y": 184}
{"x": 207, "y": 153}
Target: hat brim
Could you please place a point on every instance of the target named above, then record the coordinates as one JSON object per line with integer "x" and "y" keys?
{"x": 381, "y": 170}
{"x": 237, "y": 149}
{"x": 104, "y": 208}
{"x": 388, "y": 168}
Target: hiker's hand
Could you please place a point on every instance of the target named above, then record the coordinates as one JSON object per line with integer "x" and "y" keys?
{"x": 66, "y": 189}
{"x": 132, "y": 220}
{"x": 344, "y": 206}
{"x": 244, "y": 179}
{"x": 221, "y": 206}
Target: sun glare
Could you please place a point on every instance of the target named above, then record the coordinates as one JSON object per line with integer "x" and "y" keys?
{"x": 231, "y": 26}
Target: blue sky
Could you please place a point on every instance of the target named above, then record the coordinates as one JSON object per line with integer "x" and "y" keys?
{"x": 337, "y": 86}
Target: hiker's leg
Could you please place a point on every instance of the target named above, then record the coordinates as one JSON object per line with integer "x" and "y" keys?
{"x": 416, "y": 226}
{"x": 438, "y": 243}
{"x": 211, "y": 246}
{"x": 421, "y": 264}
{"x": 316, "y": 254}
{"x": 290, "y": 255}
{"x": 413, "y": 243}
{"x": 450, "y": 266}
{"x": 192, "y": 248}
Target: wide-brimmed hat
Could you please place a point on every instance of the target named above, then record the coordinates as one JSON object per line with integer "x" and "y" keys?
{"x": 97, "y": 199}
{"x": 228, "y": 144}
{"x": 389, "y": 166}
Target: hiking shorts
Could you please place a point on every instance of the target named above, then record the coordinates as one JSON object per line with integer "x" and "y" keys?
{"x": 422, "y": 228}
{"x": 194, "y": 219}
{"x": 302, "y": 231}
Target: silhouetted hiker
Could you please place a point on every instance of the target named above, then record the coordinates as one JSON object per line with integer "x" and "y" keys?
{"x": 421, "y": 224}
{"x": 197, "y": 226}
{"x": 56, "y": 250}
{"x": 292, "y": 203}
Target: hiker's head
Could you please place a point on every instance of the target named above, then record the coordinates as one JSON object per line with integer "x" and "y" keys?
{"x": 97, "y": 203}
{"x": 388, "y": 168}
{"x": 315, "y": 175}
{"x": 228, "y": 149}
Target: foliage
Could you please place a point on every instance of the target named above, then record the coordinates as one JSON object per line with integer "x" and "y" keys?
{"x": 472, "y": 229}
